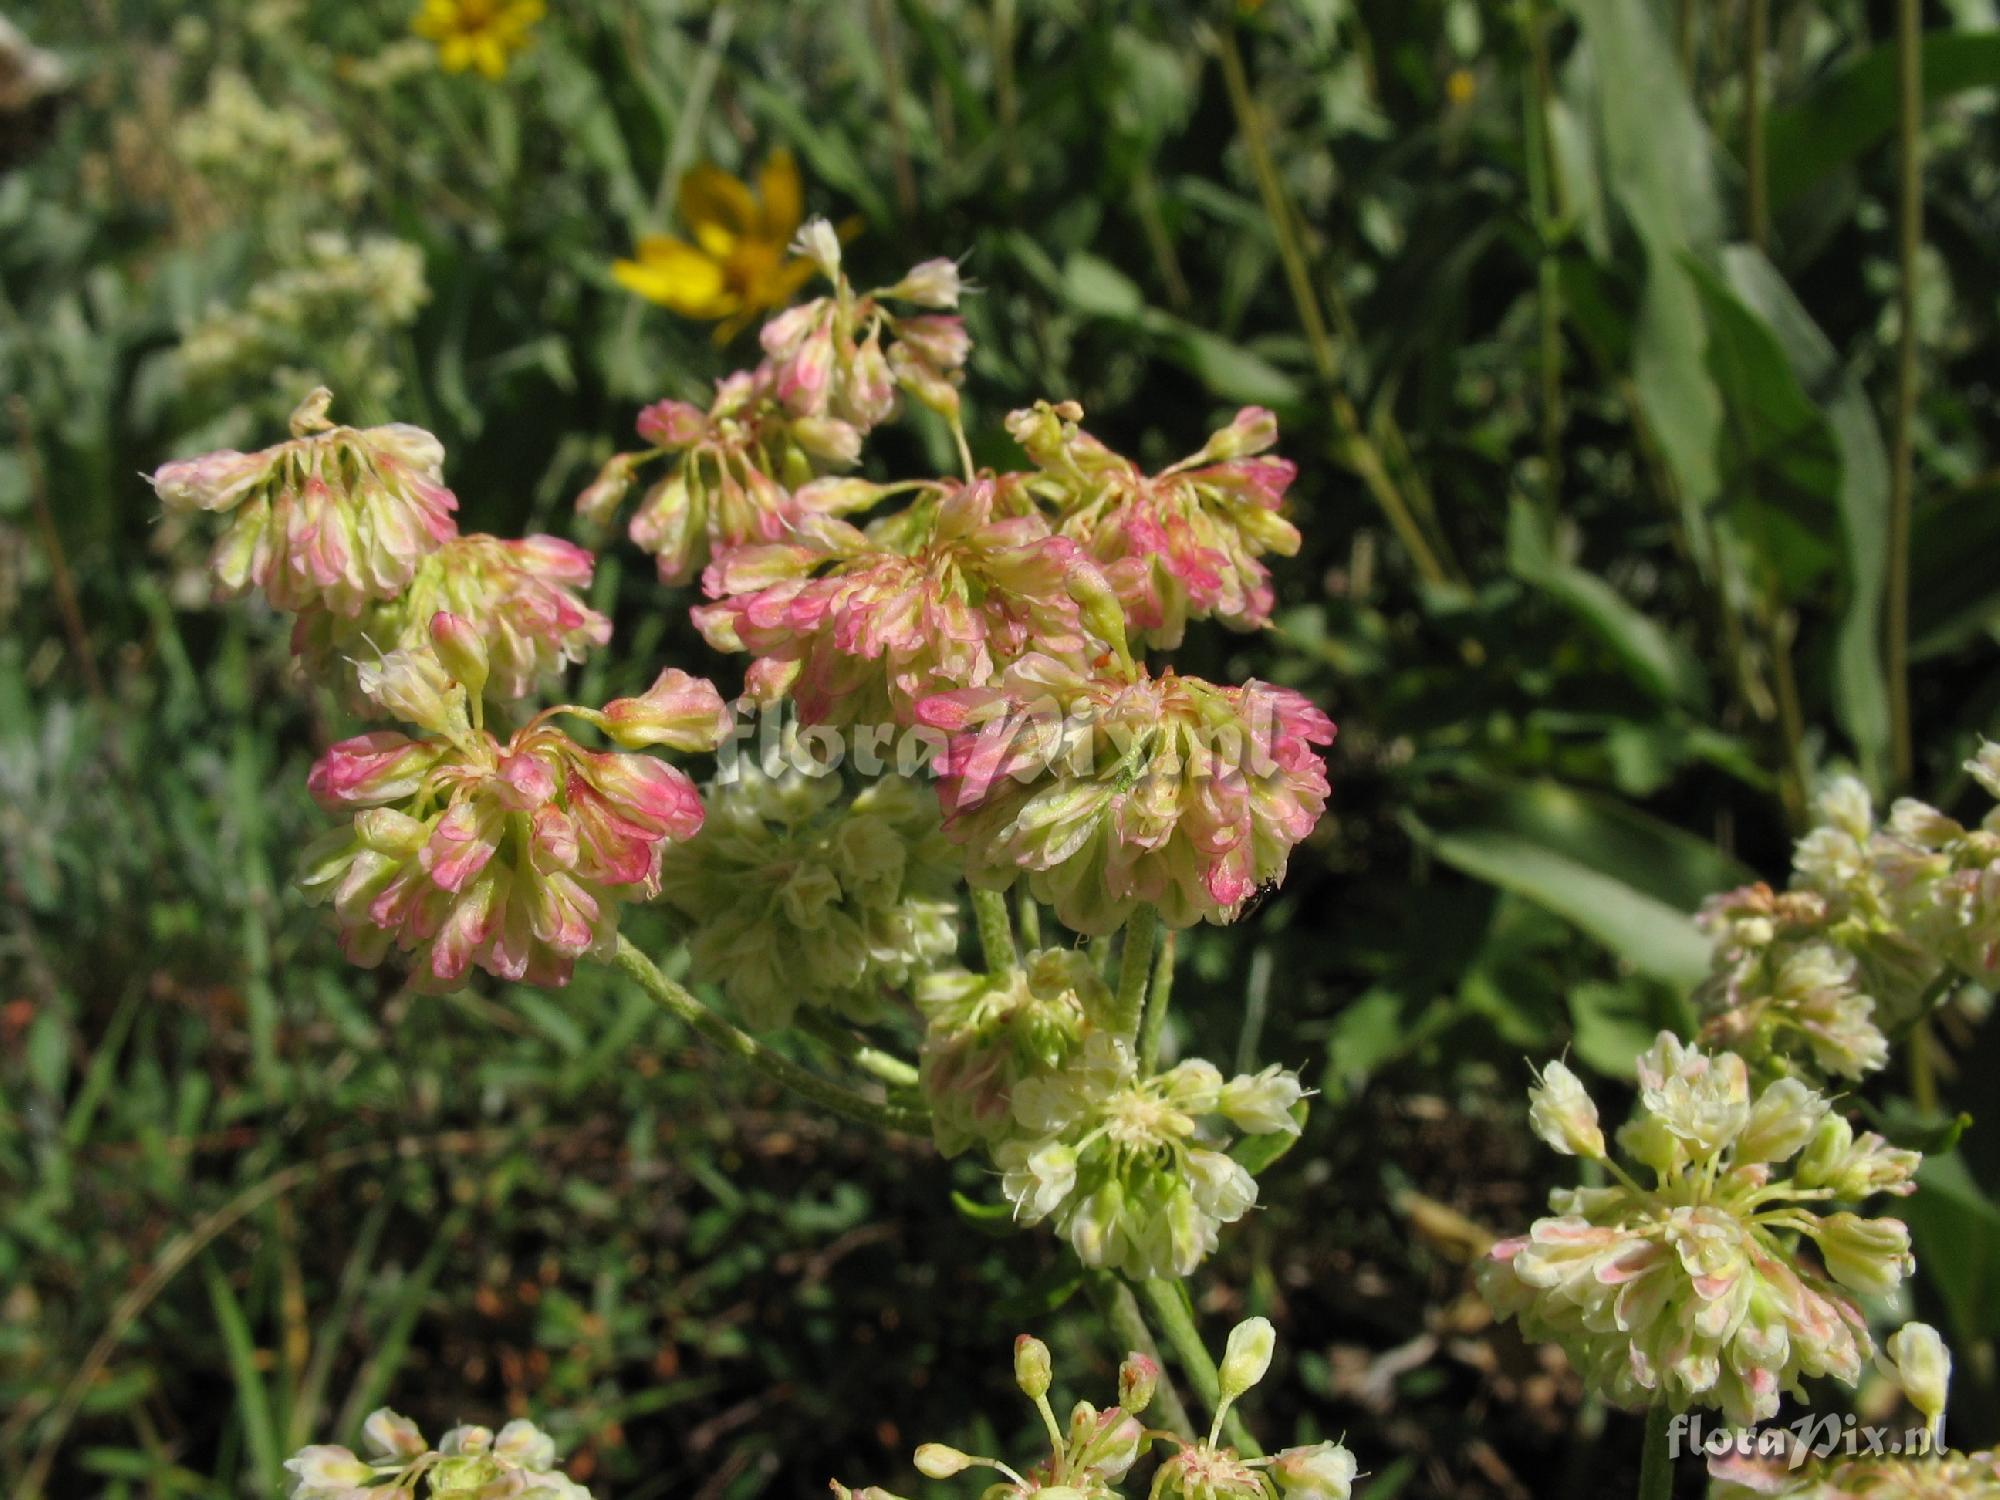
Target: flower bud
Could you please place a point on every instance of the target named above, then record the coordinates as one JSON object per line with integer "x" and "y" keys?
{"x": 1868, "y": 1256}
{"x": 324, "y": 1466}
{"x": 818, "y": 243}
{"x": 1262, "y": 1103}
{"x": 469, "y": 1441}
{"x": 392, "y": 1435}
{"x": 1031, "y": 1366}
{"x": 1915, "y": 1356}
{"x": 1138, "y": 1378}
{"x": 1562, "y": 1114}
{"x": 461, "y": 650}
{"x": 684, "y": 712}
{"x": 672, "y": 424}
{"x": 603, "y": 494}
{"x": 1324, "y": 1471}
{"x": 1247, "y": 1356}
{"x": 935, "y": 283}
{"x": 940, "y": 1461}
{"x": 1784, "y": 1119}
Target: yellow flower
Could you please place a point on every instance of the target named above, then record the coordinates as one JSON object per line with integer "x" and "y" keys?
{"x": 480, "y": 34}
{"x": 740, "y": 263}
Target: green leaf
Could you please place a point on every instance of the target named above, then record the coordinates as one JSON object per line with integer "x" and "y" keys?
{"x": 1861, "y": 689}
{"x": 1854, "y": 106}
{"x": 1955, "y": 1228}
{"x": 1658, "y": 663}
{"x": 1781, "y": 472}
{"x": 1660, "y": 166}
{"x": 1954, "y": 588}
{"x": 1626, "y": 878}
{"x": 1098, "y": 289}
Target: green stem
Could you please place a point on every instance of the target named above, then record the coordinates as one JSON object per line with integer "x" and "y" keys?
{"x": 1135, "y": 963}
{"x": 886, "y": 1066}
{"x": 1121, "y": 1312}
{"x": 727, "y": 1038}
{"x": 1175, "y": 1320}
{"x": 1544, "y": 194}
{"x": 1902, "y": 478}
{"x": 1153, "y": 1028}
{"x": 1357, "y": 449}
{"x": 1656, "y": 1464}
{"x": 1755, "y": 175}
{"x": 996, "y": 930}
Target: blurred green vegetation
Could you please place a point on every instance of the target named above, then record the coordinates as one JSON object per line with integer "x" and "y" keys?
{"x": 1595, "y": 410}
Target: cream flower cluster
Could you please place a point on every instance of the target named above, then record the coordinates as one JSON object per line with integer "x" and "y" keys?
{"x": 1092, "y": 1454}
{"x": 1694, "y": 1289}
{"x": 740, "y": 471}
{"x": 512, "y": 856}
{"x": 795, "y": 895}
{"x": 469, "y": 1463}
{"x": 1134, "y": 1169}
{"x": 987, "y": 1033}
{"x": 1882, "y": 919}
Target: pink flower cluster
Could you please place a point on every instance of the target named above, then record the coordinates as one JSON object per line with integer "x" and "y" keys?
{"x": 858, "y": 628}
{"x": 523, "y": 598}
{"x": 1178, "y": 545}
{"x": 740, "y": 472}
{"x": 1110, "y": 787}
{"x": 351, "y": 530}
{"x": 333, "y": 518}
{"x": 510, "y": 856}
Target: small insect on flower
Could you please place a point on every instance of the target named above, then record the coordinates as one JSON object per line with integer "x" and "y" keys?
{"x": 481, "y": 34}
{"x": 740, "y": 263}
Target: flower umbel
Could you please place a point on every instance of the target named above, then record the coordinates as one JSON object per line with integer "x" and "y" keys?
{"x": 521, "y": 598}
{"x": 1134, "y": 1170}
{"x": 475, "y": 1463}
{"x": 335, "y": 517}
{"x": 1691, "y": 1291}
{"x": 1178, "y": 545}
{"x": 1109, "y": 787}
{"x": 985, "y": 1033}
{"x": 513, "y": 857}
{"x": 794, "y": 896}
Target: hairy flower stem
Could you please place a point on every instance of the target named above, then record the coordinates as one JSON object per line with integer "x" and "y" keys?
{"x": 1656, "y": 1464}
{"x": 1153, "y": 1027}
{"x": 886, "y": 1066}
{"x": 738, "y": 1043}
{"x": 996, "y": 930}
{"x": 1121, "y": 1312}
{"x": 1135, "y": 964}
{"x": 1171, "y": 1311}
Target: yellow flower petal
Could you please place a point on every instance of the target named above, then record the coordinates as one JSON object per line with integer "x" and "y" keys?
{"x": 677, "y": 276}
{"x": 710, "y": 196}
{"x": 783, "y": 195}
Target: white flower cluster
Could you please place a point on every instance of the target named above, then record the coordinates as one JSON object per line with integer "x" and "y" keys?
{"x": 1882, "y": 920}
{"x": 469, "y": 1463}
{"x": 326, "y": 317}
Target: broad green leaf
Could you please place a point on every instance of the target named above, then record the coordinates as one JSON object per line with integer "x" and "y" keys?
{"x": 1099, "y": 289}
{"x": 1781, "y": 472}
{"x": 1954, "y": 587}
{"x": 1662, "y": 666}
{"x": 1660, "y": 168}
{"x": 1861, "y": 690}
{"x": 1854, "y": 106}
{"x": 1956, "y": 1231}
{"x": 1626, "y": 878}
